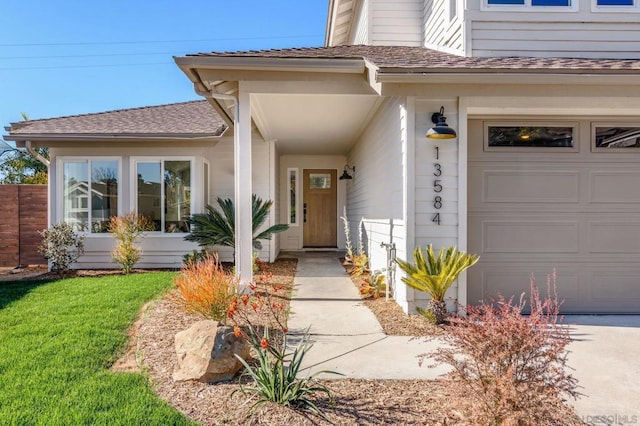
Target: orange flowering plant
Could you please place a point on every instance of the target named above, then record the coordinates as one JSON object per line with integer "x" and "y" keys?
{"x": 261, "y": 318}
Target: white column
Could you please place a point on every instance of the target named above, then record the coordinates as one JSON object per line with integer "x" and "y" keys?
{"x": 243, "y": 191}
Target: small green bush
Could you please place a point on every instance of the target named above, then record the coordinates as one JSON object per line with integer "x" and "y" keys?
{"x": 61, "y": 246}
{"x": 125, "y": 230}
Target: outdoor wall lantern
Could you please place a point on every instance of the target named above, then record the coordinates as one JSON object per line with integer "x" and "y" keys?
{"x": 441, "y": 129}
{"x": 345, "y": 174}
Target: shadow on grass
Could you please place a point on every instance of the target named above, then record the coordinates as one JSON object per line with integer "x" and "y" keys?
{"x": 12, "y": 291}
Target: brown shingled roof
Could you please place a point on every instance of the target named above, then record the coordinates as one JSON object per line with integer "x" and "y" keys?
{"x": 420, "y": 59}
{"x": 185, "y": 119}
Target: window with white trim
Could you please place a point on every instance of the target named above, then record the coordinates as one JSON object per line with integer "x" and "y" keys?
{"x": 163, "y": 193}
{"x": 90, "y": 192}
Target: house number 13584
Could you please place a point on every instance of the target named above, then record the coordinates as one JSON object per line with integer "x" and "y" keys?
{"x": 437, "y": 188}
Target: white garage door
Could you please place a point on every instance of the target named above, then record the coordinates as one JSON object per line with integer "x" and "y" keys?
{"x": 551, "y": 195}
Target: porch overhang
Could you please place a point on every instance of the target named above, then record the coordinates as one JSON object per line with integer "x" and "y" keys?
{"x": 309, "y": 105}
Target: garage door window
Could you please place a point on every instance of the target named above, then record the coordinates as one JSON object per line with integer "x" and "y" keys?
{"x": 530, "y": 136}
{"x": 609, "y": 138}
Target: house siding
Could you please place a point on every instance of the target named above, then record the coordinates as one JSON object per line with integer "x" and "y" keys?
{"x": 396, "y": 22}
{"x": 375, "y": 193}
{"x": 165, "y": 250}
{"x": 360, "y": 29}
{"x": 442, "y": 31}
{"x": 426, "y": 231}
{"x": 581, "y": 34}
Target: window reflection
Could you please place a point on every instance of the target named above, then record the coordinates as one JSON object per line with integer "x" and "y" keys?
{"x": 150, "y": 192}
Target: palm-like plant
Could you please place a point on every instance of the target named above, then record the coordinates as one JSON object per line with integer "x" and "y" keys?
{"x": 434, "y": 275}
{"x": 217, "y": 227}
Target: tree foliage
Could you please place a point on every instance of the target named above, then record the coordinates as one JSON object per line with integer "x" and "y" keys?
{"x": 20, "y": 167}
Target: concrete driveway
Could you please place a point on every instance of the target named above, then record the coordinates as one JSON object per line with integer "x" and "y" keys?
{"x": 605, "y": 353}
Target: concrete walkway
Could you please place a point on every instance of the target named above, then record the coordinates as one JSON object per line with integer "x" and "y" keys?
{"x": 347, "y": 337}
{"x": 604, "y": 353}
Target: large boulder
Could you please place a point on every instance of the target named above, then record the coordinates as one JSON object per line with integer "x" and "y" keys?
{"x": 206, "y": 352}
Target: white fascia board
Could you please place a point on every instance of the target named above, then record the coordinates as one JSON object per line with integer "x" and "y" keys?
{"x": 456, "y": 77}
{"x": 323, "y": 65}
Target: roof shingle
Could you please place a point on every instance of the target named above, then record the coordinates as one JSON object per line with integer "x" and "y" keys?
{"x": 416, "y": 59}
{"x": 194, "y": 118}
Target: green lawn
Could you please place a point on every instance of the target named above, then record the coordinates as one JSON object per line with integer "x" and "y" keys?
{"x": 57, "y": 341}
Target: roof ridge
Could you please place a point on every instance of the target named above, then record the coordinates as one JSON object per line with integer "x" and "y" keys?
{"x": 27, "y": 122}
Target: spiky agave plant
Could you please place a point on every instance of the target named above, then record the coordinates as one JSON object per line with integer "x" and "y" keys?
{"x": 435, "y": 274}
{"x": 217, "y": 227}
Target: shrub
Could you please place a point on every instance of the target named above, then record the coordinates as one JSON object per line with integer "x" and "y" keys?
{"x": 206, "y": 289}
{"x": 195, "y": 256}
{"x": 126, "y": 229}
{"x": 374, "y": 286}
{"x": 434, "y": 275}
{"x": 217, "y": 227}
{"x": 359, "y": 265}
{"x": 511, "y": 367}
{"x": 274, "y": 376}
{"x": 61, "y": 246}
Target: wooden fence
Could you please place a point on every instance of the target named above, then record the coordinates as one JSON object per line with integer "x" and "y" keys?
{"x": 23, "y": 212}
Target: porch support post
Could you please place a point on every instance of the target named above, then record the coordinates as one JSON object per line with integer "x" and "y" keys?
{"x": 243, "y": 191}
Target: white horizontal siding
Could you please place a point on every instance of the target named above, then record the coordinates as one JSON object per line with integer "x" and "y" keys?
{"x": 441, "y": 31}
{"x": 376, "y": 192}
{"x": 360, "y": 28}
{"x": 376, "y": 188}
{"x": 395, "y": 22}
{"x": 563, "y": 37}
{"x": 380, "y": 231}
{"x": 426, "y": 231}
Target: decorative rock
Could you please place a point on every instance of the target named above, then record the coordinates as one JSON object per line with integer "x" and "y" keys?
{"x": 206, "y": 353}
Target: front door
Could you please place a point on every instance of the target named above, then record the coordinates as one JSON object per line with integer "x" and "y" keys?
{"x": 320, "y": 208}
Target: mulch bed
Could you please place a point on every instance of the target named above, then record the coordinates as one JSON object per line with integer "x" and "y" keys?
{"x": 151, "y": 350}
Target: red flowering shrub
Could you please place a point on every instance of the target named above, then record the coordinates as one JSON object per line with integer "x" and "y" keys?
{"x": 511, "y": 367}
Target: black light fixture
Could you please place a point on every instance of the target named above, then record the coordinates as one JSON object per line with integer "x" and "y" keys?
{"x": 345, "y": 174}
{"x": 441, "y": 130}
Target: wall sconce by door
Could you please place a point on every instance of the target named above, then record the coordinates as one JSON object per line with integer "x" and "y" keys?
{"x": 441, "y": 129}
{"x": 345, "y": 174}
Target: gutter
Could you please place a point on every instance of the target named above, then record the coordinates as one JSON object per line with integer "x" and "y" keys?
{"x": 269, "y": 63}
{"x": 35, "y": 154}
{"x": 97, "y": 138}
{"x": 573, "y": 77}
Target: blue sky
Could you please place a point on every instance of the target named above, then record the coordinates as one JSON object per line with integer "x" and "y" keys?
{"x": 64, "y": 57}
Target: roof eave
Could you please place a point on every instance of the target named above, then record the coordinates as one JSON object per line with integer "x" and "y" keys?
{"x": 48, "y": 137}
{"x": 252, "y": 63}
{"x": 513, "y": 76}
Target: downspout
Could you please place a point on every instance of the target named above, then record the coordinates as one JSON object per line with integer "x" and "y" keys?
{"x": 243, "y": 266}
{"x": 35, "y": 154}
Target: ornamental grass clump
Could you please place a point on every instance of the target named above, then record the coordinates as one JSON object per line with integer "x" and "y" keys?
{"x": 261, "y": 319}
{"x": 205, "y": 288}
{"x": 508, "y": 367}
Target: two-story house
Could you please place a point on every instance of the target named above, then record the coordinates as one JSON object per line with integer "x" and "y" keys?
{"x": 543, "y": 170}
